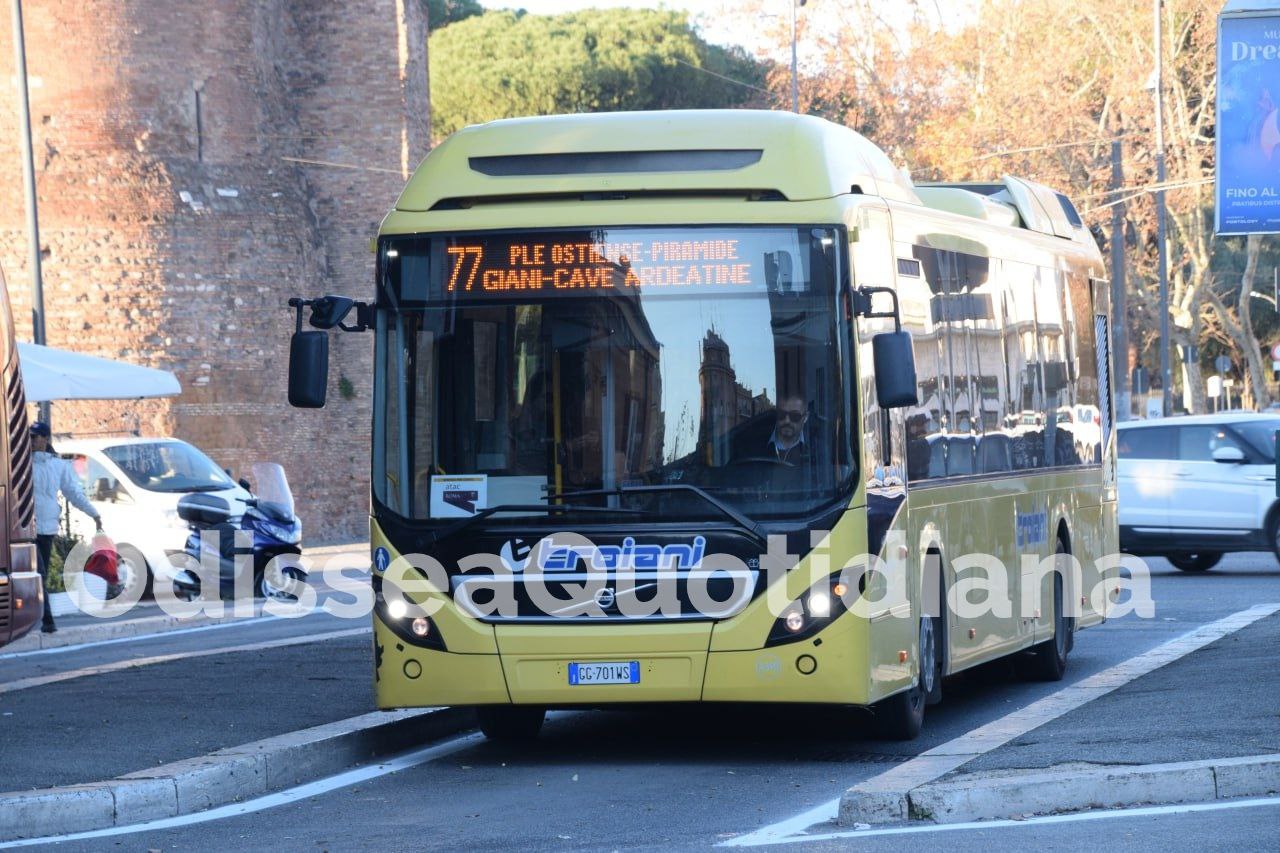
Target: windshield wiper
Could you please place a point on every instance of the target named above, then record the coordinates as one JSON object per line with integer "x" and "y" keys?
{"x": 751, "y": 527}
{"x": 463, "y": 523}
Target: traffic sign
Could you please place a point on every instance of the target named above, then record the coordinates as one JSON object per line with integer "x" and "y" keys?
{"x": 1275, "y": 353}
{"x": 1222, "y": 364}
{"x": 1214, "y": 384}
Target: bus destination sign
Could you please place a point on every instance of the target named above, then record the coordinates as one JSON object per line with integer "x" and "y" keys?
{"x": 500, "y": 267}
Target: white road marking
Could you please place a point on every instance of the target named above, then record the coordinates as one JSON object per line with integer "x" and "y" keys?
{"x": 403, "y": 761}
{"x": 116, "y": 666}
{"x": 232, "y": 623}
{"x": 1143, "y": 811}
{"x": 943, "y": 759}
{"x": 791, "y": 828}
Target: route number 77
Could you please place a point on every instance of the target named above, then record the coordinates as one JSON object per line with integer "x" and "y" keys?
{"x": 459, "y": 256}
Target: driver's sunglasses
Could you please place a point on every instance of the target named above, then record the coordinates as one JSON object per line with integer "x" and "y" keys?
{"x": 796, "y": 417}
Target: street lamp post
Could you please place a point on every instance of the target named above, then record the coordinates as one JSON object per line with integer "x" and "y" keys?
{"x": 1166, "y": 376}
{"x": 795, "y": 80}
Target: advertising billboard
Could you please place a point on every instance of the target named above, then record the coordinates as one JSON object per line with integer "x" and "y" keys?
{"x": 1248, "y": 132}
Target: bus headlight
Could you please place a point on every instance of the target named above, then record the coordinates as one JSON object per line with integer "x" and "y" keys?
{"x": 408, "y": 623}
{"x": 811, "y": 612}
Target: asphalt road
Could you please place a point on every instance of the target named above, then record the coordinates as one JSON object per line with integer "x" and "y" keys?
{"x": 695, "y": 776}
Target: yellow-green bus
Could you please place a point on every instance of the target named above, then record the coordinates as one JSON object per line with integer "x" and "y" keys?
{"x": 647, "y": 385}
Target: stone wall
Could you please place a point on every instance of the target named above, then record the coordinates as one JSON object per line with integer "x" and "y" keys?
{"x": 197, "y": 164}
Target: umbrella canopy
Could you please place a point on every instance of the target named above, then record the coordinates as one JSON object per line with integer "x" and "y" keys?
{"x": 56, "y": 374}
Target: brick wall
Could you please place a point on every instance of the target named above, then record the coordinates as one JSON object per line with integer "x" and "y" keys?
{"x": 178, "y": 211}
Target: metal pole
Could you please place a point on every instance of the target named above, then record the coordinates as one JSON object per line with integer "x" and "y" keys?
{"x": 1166, "y": 376}
{"x": 1119, "y": 307}
{"x": 795, "y": 84}
{"x": 29, "y": 186}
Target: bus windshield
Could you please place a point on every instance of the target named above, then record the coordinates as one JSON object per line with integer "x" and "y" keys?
{"x": 515, "y": 367}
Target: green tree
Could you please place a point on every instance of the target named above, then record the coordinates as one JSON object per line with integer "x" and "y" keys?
{"x": 503, "y": 64}
{"x": 441, "y": 13}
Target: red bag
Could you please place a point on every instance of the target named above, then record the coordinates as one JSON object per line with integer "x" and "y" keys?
{"x": 104, "y": 560}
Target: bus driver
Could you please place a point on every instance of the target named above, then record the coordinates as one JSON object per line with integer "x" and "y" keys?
{"x": 786, "y": 443}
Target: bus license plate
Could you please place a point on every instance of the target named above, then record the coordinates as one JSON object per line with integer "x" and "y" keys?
{"x": 627, "y": 672}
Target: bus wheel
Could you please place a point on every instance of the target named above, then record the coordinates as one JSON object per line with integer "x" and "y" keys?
{"x": 901, "y": 715}
{"x": 510, "y": 722}
{"x": 933, "y": 692}
{"x": 1201, "y": 561}
{"x": 1049, "y": 659}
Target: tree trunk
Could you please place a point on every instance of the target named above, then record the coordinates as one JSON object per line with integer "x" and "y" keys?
{"x": 1250, "y": 350}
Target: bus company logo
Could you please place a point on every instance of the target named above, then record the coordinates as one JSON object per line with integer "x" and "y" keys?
{"x": 515, "y": 554}
{"x": 626, "y": 556}
{"x": 768, "y": 667}
{"x": 1032, "y": 528}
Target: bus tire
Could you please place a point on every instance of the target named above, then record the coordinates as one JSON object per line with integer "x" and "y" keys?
{"x": 901, "y": 716}
{"x": 1049, "y": 659}
{"x": 940, "y": 641}
{"x": 510, "y": 722}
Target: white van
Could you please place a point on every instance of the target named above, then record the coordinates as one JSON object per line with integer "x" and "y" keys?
{"x": 135, "y": 484}
{"x": 1193, "y": 488}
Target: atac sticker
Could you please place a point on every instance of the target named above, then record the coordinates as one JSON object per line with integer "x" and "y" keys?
{"x": 459, "y": 497}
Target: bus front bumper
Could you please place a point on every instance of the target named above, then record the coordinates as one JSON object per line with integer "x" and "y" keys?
{"x": 532, "y": 664}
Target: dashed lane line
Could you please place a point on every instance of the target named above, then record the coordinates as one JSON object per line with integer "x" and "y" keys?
{"x": 133, "y": 663}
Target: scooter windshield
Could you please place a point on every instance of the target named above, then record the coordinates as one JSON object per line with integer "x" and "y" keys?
{"x": 272, "y": 484}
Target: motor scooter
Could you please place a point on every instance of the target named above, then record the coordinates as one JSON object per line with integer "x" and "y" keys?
{"x": 268, "y": 528}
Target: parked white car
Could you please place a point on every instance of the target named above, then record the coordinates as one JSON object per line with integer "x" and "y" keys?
{"x": 135, "y": 484}
{"x": 1193, "y": 488}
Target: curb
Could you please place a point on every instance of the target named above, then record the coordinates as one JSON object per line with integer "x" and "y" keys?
{"x": 112, "y": 630}
{"x": 1012, "y": 794}
{"x": 226, "y": 776}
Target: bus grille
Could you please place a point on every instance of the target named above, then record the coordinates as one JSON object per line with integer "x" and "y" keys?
{"x": 4, "y": 609}
{"x": 725, "y": 594}
{"x": 20, "y": 485}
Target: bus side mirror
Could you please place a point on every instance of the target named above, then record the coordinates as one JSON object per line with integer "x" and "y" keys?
{"x": 895, "y": 365}
{"x": 308, "y": 369}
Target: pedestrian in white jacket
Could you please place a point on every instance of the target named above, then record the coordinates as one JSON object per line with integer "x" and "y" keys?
{"x": 50, "y": 475}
